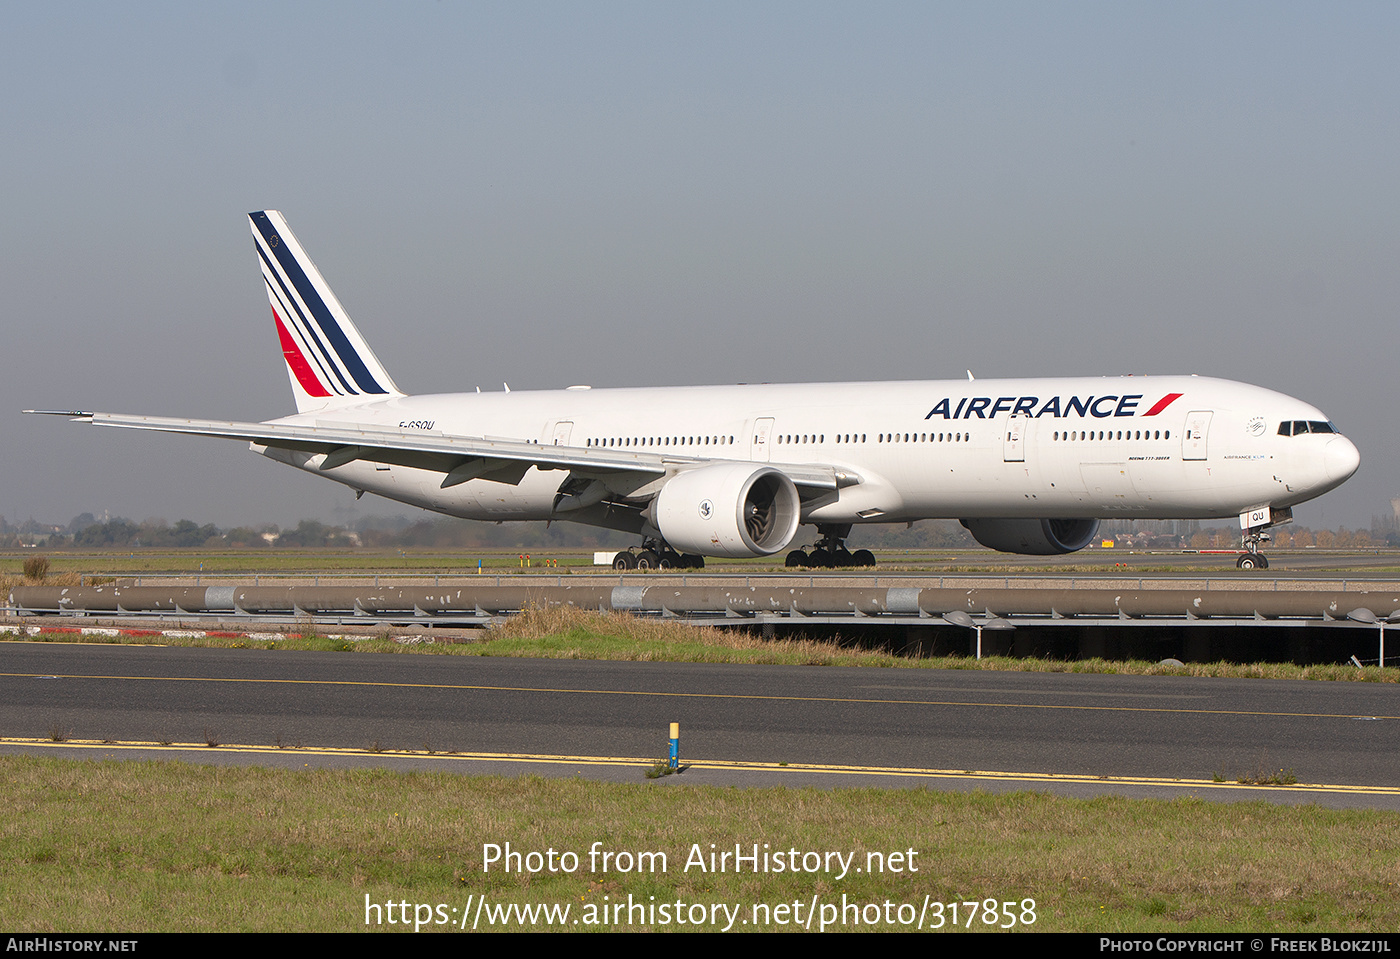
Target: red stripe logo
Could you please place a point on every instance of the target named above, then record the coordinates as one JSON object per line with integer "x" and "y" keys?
{"x": 1163, "y": 403}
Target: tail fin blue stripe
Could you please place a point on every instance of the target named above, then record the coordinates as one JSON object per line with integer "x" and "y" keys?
{"x": 292, "y": 270}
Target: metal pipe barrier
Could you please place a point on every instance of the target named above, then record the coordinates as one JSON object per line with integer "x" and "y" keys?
{"x": 896, "y": 603}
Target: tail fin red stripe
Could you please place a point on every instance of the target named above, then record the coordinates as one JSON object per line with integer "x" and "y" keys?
{"x": 301, "y": 369}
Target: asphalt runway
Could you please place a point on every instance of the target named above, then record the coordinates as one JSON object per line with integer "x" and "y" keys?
{"x": 1075, "y": 734}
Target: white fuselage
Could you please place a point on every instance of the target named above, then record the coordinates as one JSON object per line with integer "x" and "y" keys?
{"x": 1029, "y": 466}
{"x": 1149, "y": 447}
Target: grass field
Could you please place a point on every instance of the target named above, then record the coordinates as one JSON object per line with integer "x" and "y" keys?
{"x": 165, "y": 847}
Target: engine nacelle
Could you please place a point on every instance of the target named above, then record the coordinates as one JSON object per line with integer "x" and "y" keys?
{"x": 1035, "y": 537}
{"x": 729, "y": 509}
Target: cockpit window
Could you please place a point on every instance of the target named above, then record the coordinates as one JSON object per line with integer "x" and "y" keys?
{"x": 1299, "y": 427}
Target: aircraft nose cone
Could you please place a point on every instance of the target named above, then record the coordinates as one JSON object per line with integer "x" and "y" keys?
{"x": 1341, "y": 458}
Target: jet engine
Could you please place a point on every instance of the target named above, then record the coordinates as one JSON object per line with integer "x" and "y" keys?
{"x": 729, "y": 509}
{"x": 1035, "y": 537}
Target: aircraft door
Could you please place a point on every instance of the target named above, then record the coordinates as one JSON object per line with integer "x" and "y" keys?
{"x": 1193, "y": 442}
{"x": 1013, "y": 439}
{"x": 762, "y": 439}
{"x": 562, "y": 430}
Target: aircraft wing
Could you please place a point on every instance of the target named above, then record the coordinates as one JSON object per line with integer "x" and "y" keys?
{"x": 458, "y": 458}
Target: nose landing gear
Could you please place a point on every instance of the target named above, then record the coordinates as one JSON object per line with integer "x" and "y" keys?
{"x": 1252, "y": 537}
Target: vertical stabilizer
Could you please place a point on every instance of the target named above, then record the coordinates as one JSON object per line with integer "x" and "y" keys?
{"x": 328, "y": 361}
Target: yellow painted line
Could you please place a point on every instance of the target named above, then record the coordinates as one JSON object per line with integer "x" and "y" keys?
{"x": 1035, "y": 778}
{"x": 684, "y": 695}
{"x": 344, "y": 751}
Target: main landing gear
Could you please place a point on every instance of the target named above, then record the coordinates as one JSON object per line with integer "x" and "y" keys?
{"x": 655, "y": 554}
{"x": 830, "y": 551}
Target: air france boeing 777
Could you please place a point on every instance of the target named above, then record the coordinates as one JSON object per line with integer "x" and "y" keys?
{"x": 1028, "y": 466}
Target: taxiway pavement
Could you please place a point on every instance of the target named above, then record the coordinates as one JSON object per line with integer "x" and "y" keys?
{"x": 1071, "y": 733}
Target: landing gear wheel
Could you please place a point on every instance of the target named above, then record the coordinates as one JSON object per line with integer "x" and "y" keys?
{"x": 1253, "y": 561}
{"x": 830, "y": 551}
{"x": 624, "y": 561}
{"x": 648, "y": 559}
{"x": 796, "y": 559}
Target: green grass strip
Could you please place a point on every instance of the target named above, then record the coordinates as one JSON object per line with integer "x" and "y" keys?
{"x": 164, "y": 846}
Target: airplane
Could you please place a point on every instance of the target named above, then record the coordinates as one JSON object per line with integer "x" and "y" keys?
{"x": 1027, "y": 465}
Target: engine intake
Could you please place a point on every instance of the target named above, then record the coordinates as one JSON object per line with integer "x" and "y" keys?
{"x": 729, "y": 509}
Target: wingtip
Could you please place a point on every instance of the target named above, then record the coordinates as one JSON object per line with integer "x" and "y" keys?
{"x": 71, "y": 414}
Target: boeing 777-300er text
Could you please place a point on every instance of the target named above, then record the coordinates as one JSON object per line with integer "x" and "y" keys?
{"x": 1028, "y": 466}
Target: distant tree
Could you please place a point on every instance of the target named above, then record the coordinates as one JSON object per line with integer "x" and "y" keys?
{"x": 310, "y": 532}
{"x": 185, "y": 534}
{"x": 244, "y": 537}
{"x": 115, "y": 532}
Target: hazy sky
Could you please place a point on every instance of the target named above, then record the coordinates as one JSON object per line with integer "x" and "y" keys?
{"x": 644, "y": 194}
